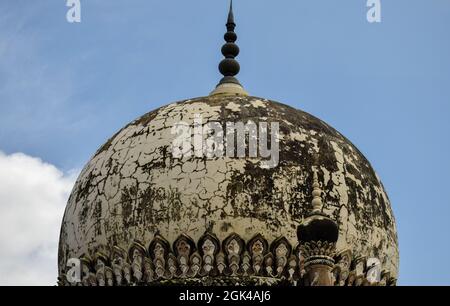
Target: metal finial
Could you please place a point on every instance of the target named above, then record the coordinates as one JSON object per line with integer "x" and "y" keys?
{"x": 229, "y": 66}
{"x": 230, "y": 21}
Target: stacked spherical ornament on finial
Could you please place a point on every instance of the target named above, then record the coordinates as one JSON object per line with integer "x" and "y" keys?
{"x": 229, "y": 67}
{"x": 228, "y": 189}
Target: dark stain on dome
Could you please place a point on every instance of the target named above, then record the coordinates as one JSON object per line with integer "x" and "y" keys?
{"x": 119, "y": 192}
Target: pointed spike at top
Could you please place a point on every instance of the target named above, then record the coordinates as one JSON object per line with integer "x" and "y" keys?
{"x": 231, "y": 15}
{"x": 229, "y": 66}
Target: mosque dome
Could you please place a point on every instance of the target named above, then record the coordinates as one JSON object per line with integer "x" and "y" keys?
{"x": 172, "y": 198}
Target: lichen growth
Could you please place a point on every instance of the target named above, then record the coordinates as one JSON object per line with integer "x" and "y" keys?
{"x": 134, "y": 188}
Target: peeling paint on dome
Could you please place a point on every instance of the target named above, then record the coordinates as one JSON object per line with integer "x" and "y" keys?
{"x": 134, "y": 189}
{"x": 233, "y": 107}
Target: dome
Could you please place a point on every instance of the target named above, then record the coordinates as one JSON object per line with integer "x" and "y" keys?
{"x": 228, "y": 189}
{"x": 134, "y": 189}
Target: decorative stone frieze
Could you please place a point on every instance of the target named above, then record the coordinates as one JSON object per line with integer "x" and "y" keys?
{"x": 232, "y": 261}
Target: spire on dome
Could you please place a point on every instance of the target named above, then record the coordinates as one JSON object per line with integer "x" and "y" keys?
{"x": 317, "y": 193}
{"x": 231, "y": 17}
{"x": 229, "y": 67}
{"x": 317, "y": 236}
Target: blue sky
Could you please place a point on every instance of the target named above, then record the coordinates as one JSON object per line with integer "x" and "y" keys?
{"x": 65, "y": 88}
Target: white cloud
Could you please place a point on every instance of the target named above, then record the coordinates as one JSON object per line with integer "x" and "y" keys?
{"x": 33, "y": 196}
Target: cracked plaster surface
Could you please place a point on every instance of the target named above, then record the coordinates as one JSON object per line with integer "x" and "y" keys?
{"x": 133, "y": 188}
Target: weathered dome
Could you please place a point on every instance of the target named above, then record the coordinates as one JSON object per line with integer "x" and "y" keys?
{"x": 134, "y": 192}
